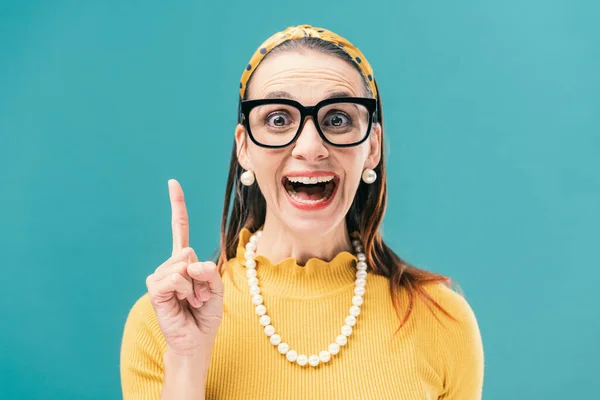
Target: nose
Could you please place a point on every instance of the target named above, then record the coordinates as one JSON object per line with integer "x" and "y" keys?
{"x": 309, "y": 146}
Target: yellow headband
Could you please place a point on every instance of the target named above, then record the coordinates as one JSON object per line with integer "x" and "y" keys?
{"x": 298, "y": 32}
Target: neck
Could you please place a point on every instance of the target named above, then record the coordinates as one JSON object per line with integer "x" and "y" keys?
{"x": 279, "y": 242}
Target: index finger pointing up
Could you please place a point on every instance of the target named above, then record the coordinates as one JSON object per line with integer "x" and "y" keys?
{"x": 179, "y": 217}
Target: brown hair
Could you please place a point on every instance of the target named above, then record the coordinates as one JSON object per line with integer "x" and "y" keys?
{"x": 248, "y": 210}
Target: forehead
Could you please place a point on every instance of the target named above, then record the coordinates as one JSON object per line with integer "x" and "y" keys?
{"x": 308, "y": 76}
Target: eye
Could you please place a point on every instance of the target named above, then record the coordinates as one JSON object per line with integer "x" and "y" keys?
{"x": 278, "y": 119}
{"x": 336, "y": 119}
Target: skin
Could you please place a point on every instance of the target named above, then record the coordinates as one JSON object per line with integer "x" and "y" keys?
{"x": 307, "y": 77}
{"x": 186, "y": 294}
{"x": 187, "y": 297}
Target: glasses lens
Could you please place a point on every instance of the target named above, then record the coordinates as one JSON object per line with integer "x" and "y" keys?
{"x": 344, "y": 123}
{"x": 274, "y": 124}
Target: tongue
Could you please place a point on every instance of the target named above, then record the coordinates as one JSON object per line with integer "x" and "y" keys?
{"x": 310, "y": 192}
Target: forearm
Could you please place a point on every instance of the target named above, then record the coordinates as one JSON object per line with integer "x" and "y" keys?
{"x": 185, "y": 377}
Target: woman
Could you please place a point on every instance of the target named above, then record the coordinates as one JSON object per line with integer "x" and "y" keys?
{"x": 301, "y": 256}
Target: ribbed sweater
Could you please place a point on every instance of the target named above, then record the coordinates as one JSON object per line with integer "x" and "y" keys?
{"x": 430, "y": 357}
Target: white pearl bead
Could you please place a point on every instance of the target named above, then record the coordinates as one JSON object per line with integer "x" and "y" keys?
{"x": 275, "y": 339}
{"x": 261, "y": 310}
{"x": 254, "y": 290}
{"x": 283, "y": 348}
{"x": 354, "y": 311}
{"x": 346, "y": 330}
{"x": 334, "y": 348}
{"x": 314, "y": 360}
{"x": 265, "y": 320}
{"x": 350, "y": 320}
{"x": 247, "y": 178}
{"x": 324, "y": 356}
{"x": 257, "y": 299}
{"x": 269, "y": 330}
{"x": 341, "y": 340}
{"x": 369, "y": 176}
{"x": 302, "y": 360}
{"x": 291, "y": 355}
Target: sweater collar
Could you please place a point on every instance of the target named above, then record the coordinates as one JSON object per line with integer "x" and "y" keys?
{"x": 288, "y": 279}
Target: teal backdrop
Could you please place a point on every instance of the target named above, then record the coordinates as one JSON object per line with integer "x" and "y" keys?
{"x": 493, "y": 139}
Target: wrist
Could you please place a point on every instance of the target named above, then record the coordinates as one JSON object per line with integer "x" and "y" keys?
{"x": 185, "y": 376}
{"x": 196, "y": 362}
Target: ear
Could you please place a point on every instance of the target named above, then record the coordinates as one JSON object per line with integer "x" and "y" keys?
{"x": 374, "y": 147}
{"x": 241, "y": 143}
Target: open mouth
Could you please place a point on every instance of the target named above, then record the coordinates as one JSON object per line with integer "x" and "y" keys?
{"x": 310, "y": 190}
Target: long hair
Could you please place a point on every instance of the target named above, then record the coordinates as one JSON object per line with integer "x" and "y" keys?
{"x": 245, "y": 207}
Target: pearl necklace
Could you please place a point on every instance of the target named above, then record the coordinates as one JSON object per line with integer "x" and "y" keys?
{"x": 265, "y": 320}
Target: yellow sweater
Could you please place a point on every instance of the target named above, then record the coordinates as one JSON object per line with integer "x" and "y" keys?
{"x": 427, "y": 359}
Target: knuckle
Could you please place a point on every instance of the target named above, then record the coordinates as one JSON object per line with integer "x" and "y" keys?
{"x": 209, "y": 266}
{"x": 186, "y": 251}
{"x": 181, "y": 222}
{"x": 191, "y": 251}
{"x": 149, "y": 281}
{"x": 174, "y": 278}
{"x": 191, "y": 254}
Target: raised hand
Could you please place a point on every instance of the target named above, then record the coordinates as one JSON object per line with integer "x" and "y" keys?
{"x": 187, "y": 295}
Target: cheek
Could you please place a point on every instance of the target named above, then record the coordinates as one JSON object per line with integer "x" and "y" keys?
{"x": 267, "y": 166}
{"x": 352, "y": 161}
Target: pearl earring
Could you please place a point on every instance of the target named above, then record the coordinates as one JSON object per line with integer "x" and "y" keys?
{"x": 247, "y": 178}
{"x": 369, "y": 176}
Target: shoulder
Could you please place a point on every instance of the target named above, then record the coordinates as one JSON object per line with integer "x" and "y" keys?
{"x": 142, "y": 350}
{"x": 453, "y": 315}
{"x": 141, "y": 311}
{"x": 458, "y": 342}
{"x": 141, "y": 325}
{"x": 454, "y": 303}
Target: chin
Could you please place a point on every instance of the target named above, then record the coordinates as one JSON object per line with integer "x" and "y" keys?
{"x": 311, "y": 227}
{"x": 312, "y": 222}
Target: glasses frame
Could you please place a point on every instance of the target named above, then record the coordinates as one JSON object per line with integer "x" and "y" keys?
{"x": 307, "y": 111}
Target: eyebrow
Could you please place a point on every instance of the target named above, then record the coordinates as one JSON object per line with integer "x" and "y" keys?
{"x": 339, "y": 95}
{"x": 282, "y": 94}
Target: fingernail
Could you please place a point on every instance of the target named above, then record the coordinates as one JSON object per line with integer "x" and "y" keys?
{"x": 196, "y": 268}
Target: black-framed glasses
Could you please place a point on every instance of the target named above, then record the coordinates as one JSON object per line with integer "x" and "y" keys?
{"x": 276, "y": 123}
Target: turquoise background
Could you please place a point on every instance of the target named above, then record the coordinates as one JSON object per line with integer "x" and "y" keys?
{"x": 493, "y": 129}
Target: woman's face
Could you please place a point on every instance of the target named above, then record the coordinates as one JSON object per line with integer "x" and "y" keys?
{"x": 305, "y": 205}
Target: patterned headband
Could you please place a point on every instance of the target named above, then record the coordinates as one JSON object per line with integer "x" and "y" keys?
{"x": 298, "y": 32}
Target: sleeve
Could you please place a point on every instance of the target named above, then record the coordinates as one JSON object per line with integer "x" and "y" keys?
{"x": 142, "y": 351}
{"x": 461, "y": 347}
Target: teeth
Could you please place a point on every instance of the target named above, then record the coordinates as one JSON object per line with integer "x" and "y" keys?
{"x": 328, "y": 192}
{"x": 297, "y": 198}
{"x": 310, "y": 180}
